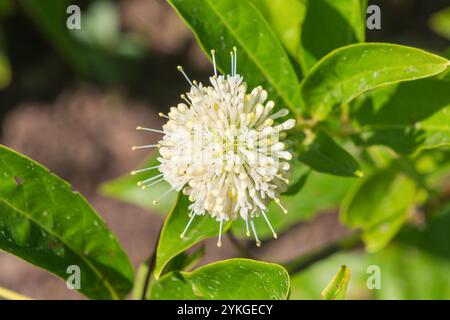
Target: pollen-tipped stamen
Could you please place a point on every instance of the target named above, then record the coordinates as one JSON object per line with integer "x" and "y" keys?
{"x": 269, "y": 224}
{"x": 219, "y": 240}
{"x": 155, "y": 202}
{"x": 145, "y": 146}
{"x": 143, "y": 170}
{"x": 277, "y": 201}
{"x": 152, "y": 184}
{"x": 180, "y": 68}
{"x": 235, "y": 60}
{"x": 140, "y": 183}
{"x": 187, "y": 226}
{"x": 213, "y": 54}
{"x": 149, "y": 129}
{"x": 258, "y": 242}
{"x": 247, "y": 229}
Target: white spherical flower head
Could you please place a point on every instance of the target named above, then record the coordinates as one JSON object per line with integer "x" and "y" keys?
{"x": 223, "y": 148}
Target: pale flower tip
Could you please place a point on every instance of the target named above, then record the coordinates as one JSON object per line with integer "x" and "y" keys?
{"x": 161, "y": 114}
{"x": 258, "y": 243}
{"x": 182, "y": 235}
{"x": 133, "y": 148}
{"x": 139, "y": 183}
{"x": 213, "y": 51}
{"x": 285, "y": 211}
{"x": 275, "y": 236}
{"x": 219, "y": 244}
{"x": 133, "y": 173}
{"x": 143, "y": 187}
{"x": 180, "y": 68}
{"x": 234, "y": 49}
{"x": 155, "y": 202}
{"x": 359, "y": 174}
{"x": 247, "y": 234}
{"x": 138, "y": 128}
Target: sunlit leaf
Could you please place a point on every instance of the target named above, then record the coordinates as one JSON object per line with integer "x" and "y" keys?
{"x": 45, "y": 222}
{"x": 235, "y": 279}
{"x": 352, "y": 70}
{"x": 262, "y": 61}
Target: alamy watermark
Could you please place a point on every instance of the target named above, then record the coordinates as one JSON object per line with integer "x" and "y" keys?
{"x": 73, "y": 282}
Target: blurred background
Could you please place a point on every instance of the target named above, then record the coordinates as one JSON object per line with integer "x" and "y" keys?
{"x": 72, "y": 101}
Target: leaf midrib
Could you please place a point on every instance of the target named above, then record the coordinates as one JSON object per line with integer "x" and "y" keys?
{"x": 106, "y": 283}
{"x": 255, "y": 61}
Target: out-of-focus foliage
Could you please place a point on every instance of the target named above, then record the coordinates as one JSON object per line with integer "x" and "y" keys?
{"x": 440, "y": 23}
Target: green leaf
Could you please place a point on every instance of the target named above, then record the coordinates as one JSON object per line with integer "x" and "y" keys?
{"x": 45, "y": 222}
{"x": 440, "y": 23}
{"x": 182, "y": 262}
{"x": 328, "y": 25}
{"x": 286, "y": 18}
{"x": 170, "y": 244}
{"x": 407, "y": 117}
{"x": 262, "y": 61}
{"x": 323, "y": 154}
{"x": 125, "y": 189}
{"x": 337, "y": 288}
{"x": 379, "y": 206}
{"x": 350, "y": 71}
{"x": 234, "y": 279}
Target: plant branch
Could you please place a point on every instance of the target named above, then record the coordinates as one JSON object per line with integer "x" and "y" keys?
{"x": 301, "y": 263}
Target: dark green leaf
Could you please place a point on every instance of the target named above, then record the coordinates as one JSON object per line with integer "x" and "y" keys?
{"x": 328, "y": 25}
{"x": 234, "y": 279}
{"x": 262, "y": 61}
{"x": 43, "y": 221}
{"x": 323, "y": 154}
{"x": 350, "y": 71}
{"x": 407, "y": 117}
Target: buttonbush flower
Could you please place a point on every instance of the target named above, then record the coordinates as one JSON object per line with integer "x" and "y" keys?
{"x": 223, "y": 147}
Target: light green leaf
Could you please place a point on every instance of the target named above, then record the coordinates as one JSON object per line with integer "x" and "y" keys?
{"x": 407, "y": 117}
{"x": 170, "y": 244}
{"x": 440, "y": 23}
{"x": 286, "y": 18}
{"x": 262, "y": 61}
{"x": 323, "y": 154}
{"x": 379, "y": 206}
{"x": 328, "y": 25}
{"x": 125, "y": 189}
{"x": 45, "y": 222}
{"x": 337, "y": 288}
{"x": 234, "y": 279}
{"x": 350, "y": 71}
